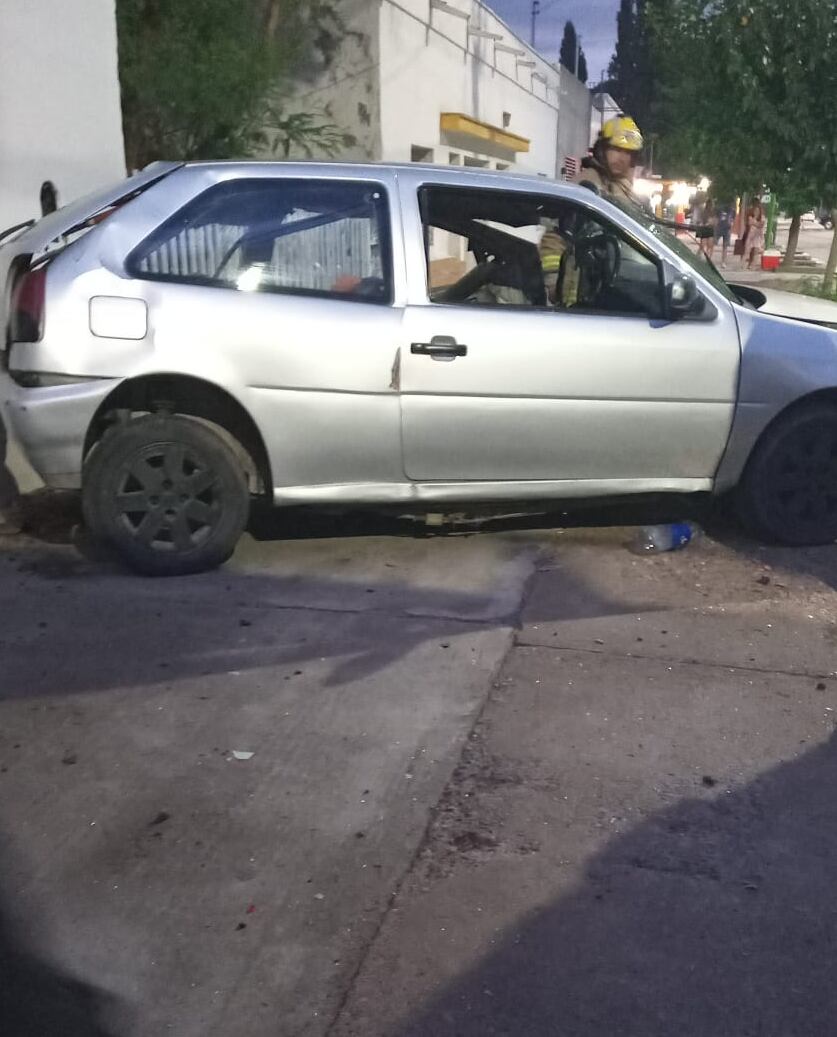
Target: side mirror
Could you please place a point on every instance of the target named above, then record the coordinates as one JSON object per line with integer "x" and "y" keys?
{"x": 682, "y": 297}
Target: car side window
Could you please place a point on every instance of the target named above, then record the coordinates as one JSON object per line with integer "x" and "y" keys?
{"x": 310, "y": 237}
{"x": 501, "y": 248}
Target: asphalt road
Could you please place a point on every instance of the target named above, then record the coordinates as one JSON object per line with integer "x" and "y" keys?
{"x": 518, "y": 782}
{"x": 813, "y": 239}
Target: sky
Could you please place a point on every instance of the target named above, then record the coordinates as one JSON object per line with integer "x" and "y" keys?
{"x": 595, "y": 20}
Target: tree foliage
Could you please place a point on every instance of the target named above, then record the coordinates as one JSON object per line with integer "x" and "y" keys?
{"x": 211, "y": 78}
{"x": 739, "y": 89}
{"x": 746, "y": 88}
{"x": 572, "y": 55}
{"x": 632, "y": 75}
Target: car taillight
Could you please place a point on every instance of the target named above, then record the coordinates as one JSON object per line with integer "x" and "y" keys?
{"x": 26, "y": 322}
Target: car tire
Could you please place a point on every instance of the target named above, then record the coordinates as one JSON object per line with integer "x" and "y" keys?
{"x": 788, "y": 493}
{"x": 167, "y": 493}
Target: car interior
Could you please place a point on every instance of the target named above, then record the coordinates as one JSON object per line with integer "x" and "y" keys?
{"x": 599, "y": 272}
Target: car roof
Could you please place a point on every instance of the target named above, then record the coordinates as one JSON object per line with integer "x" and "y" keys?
{"x": 458, "y": 174}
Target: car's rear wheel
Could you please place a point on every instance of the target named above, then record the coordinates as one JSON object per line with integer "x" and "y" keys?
{"x": 167, "y": 493}
{"x": 789, "y": 489}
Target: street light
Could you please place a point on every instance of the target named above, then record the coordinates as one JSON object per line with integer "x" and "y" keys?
{"x": 536, "y": 10}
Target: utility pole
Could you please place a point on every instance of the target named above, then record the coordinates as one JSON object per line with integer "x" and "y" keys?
{"x": 536, "y": 10}
{"x": 577, "y": 53}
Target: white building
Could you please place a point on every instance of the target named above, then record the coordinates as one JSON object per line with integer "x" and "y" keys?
{"x": 447, "y": 81}
{"x": 604, "y": 108}
{"x": 60, "y": 117}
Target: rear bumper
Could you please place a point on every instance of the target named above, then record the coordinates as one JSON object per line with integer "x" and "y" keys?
{"x": 51, "y": 426}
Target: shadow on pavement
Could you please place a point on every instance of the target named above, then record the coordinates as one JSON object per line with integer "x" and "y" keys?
{"x": 54, "y": 517}
{"x": 242, "y": 622}
{"x": 238, "y": 620}
{"x": 302, "y": 523}
{"x": 39, "y": 1000}
{"x": 819, "y": 563}
{"x": 715, "y": 917}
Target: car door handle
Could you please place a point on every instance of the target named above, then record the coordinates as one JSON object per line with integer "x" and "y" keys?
{"x": 441, "y": 346}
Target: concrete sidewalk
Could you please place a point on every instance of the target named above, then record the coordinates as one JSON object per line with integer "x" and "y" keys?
{"x": 210, "y": 787}
{"x": 506, "y": 783}
{"x": 640, "y": 836}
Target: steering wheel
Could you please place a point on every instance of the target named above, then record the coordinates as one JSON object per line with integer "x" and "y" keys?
{"x": 599, "y": 257}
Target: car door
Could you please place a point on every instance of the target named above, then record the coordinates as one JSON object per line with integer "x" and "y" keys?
{"x": 505, "y": 389}
{"x": 287, "y": 292}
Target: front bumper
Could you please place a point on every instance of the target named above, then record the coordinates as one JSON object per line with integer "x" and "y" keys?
{"x": 51, "y": 426}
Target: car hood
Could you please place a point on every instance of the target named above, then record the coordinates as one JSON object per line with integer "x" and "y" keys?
{"x": 805, "y": 308}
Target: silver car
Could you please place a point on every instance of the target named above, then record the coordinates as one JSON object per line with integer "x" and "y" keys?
{"x": 202, "y": 334}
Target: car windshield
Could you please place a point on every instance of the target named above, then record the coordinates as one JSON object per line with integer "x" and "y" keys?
{"x": 697, "y": 261}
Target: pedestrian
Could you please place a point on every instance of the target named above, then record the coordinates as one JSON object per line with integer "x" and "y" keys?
{"x": 707, "y": 222}
{"x": 609, "y": 170}
{"x": 723, "y": 230}
{"x": 754, "y": 241}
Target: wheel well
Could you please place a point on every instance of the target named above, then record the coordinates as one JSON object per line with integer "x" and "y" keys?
{"x": 828, "y": 396}
{"x": 819, "y": 396}
{"x": 181, "y": 394}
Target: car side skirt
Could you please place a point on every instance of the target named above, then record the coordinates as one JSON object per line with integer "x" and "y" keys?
{"x": 393, "y": 493}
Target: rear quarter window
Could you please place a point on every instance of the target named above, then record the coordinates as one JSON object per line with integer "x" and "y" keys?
{"x": 325, "y": 238}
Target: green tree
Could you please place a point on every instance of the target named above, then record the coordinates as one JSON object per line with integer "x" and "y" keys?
{"x": 211, "y": 78}
{"x": 796, "y": 197}
{"x": 761, "y": 116}
{"x": 632, "y": 75}
{"x": 572, "y": 54}
{"x": 569, "y": 42}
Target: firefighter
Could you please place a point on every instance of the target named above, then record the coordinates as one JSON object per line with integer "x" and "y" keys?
{"x": 610, "y": 168}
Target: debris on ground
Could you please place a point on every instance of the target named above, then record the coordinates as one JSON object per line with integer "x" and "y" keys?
{"x": 673, "y": 536}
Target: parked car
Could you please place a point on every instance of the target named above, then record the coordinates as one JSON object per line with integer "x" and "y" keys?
{"x": 358, "y": 335}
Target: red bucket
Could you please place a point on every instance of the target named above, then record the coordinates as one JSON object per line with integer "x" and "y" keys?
{"x": 771, "y": 259}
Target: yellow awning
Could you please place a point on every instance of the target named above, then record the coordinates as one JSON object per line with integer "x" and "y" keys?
{"x": 455, "y": 122}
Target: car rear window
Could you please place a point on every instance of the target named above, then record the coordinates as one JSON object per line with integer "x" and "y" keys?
{"x": 312, "y": 237}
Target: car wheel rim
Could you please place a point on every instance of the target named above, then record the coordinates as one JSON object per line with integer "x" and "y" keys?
{"x": 804, "y": 478}
{"x": 168, "y": 499}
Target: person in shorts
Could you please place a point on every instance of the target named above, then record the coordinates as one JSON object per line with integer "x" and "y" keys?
{"x": 724, "y": 216}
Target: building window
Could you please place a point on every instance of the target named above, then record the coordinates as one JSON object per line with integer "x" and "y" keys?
{"x": 478, "y": 163}
{"x": 420, "y": 154}
{"x": 303, "y": 237}
{"x": 455, "y": 159}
